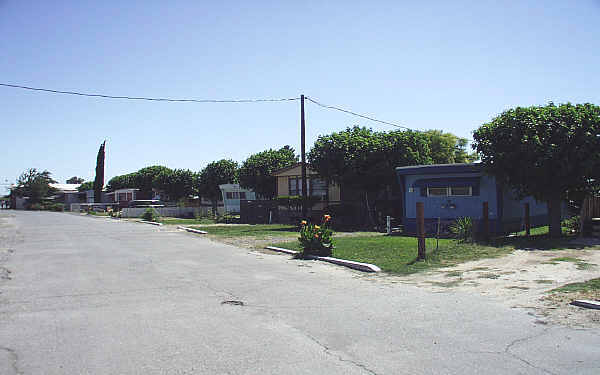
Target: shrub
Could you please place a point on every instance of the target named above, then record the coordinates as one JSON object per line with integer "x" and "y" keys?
{"x": 316, "y": 239}
{"x": 58, "y": 207}
{"x": 151, "y": 215}
{"x": 36, "y": 207}
{"x": 462, "y": 229}
{"x": 572, "y": 224}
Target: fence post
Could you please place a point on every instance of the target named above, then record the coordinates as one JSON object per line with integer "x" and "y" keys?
{"x": 527, "y": 220}
{"x": 421, "y": 230}
{"x": 388, "y": 225}
{"x": 486, "y": 222}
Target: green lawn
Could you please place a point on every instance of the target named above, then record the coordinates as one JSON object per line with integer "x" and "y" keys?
{"x": 178, "y": 221}
{"x": 256, "y": 230}
{"x": 398, "y": 254}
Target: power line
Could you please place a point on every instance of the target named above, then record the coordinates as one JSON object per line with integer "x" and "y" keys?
{"x": 356, "y": 114}
{"x": 148, "y": 98}
{"x": 364, "y": 116}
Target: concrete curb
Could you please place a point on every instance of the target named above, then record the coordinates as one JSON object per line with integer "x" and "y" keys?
{"x": 587, "y": 304}
{"x": 282, "y": 250}
{"x": 149, "y": 222}
{"x": 192, "y": 230}
{"x": 365, "y": 267}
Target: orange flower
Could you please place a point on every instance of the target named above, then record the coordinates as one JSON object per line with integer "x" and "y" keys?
{"x": 303, "y": 222}
{"x": 327, "y": 218}
{"x": 316, "y": 235}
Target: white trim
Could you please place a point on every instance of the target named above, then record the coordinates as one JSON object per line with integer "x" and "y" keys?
{"x": 449, "y": 191}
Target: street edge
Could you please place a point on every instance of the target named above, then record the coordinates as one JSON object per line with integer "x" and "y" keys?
{"x": 191, "y": 230}
{"x": 365, "y": 267}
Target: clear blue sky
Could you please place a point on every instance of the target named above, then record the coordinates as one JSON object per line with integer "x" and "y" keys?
{"x": 449, "y": 65}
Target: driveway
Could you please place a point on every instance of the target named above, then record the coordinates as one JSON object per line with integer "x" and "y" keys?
{"x": 84, "y": 295}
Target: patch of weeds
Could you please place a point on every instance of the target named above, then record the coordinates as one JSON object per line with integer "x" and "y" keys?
{"x": 544, "y": 281}
{"x": 489, "y": 276}
{"x": 448, "y": 284}
{"x": 585, "y": 266}
{"x": 454, "y": 274}
{"x": 592, "y": 285}
{"x": 517, "y": 287}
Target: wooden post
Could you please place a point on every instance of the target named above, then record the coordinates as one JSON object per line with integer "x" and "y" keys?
{"x": 303, "y": 157}
{"x": 421, "y": 230}
{"x": 486, "y": 222}
{"x": 388, "y": 225}
{"x": 527, "y": 220}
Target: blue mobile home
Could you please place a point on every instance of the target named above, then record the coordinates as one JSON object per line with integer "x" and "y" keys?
{"x": 450, "y": 191}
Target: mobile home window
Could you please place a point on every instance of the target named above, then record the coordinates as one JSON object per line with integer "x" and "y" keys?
{"x": 464, "y": 191}
{"x": 437, "y": 191}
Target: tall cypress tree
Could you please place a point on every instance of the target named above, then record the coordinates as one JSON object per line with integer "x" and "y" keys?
{"x": 99, "y": 180}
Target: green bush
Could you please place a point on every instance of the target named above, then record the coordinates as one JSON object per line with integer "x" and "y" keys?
{"x": 150, "y": 215}
{"x": 57, "y": 207}
{"x": 316, "y": 239}
{"x": 462, "y": 229}
{"x": 572, "y": 224}
{"x": 36, "y": 207}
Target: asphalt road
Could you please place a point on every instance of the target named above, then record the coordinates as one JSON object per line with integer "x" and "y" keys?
{"x": 97, "y": 296}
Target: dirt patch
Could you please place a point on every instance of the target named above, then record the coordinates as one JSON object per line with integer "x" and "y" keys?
{"x": 522, "y": 279}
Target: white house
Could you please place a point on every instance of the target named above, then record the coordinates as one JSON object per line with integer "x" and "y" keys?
{"x": 232, "y": 194}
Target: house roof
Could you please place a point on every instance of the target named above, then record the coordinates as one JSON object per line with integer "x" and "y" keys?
{"x": 66, "y": 188}
{"x": 439, "y": 169}
{"x": 287, "y": 169}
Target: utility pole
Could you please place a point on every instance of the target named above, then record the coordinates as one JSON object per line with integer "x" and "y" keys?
{"x": 303, "y": 157}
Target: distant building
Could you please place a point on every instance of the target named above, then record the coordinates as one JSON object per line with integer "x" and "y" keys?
{"x": 232, "y": 194}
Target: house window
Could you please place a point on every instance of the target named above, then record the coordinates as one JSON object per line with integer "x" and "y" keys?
{"x": 122, "y": 197}
{"x": 450, "y": 191}
{"x": 461, "y": 191}
{"x": 295, "y": 185}
{"x": 316, "y": 187}
{"x": 437, "y": 191}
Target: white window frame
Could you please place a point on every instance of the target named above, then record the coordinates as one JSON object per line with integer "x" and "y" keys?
{"x": 449, "y": 191}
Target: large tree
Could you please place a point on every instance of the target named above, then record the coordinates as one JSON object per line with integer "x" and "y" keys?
{"x": 256, "y": 172}
{"x": 365, "y": 160}
{"x": 121, "y": 182}
{"x": 34, "y": 185}
{"x": 219, "y": 172}
{"x": 176, "y": 183}
{"x": 99, "y": 180}
{"x": 447, "y": 148}
{"x": 546, "y": 151}
{"x": 144, "y": 179}
{"x": 85, "y": 186}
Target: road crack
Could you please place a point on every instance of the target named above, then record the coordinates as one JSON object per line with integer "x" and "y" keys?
{"x": 507, "y": 350}
{"x": 329, "y": 352}
{"x": 14, "y": 358}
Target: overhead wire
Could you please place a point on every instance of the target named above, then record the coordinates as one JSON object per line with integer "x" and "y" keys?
{"x": 148, "y": 98}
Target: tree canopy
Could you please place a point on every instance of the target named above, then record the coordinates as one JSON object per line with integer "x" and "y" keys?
{"x": 88, "y": 185}
{"x": 546, "y": 151}
{"x": 446, "y": 148}
{"x": 34, "y": 185}
{"x": 365, "y": 159}
{"x": 176, "y": 183}
{"x": 144, "y": 179}
{"x": 224, "y": 171}
{"x": 74, "y": 180}
{"x": 256, "y": 172}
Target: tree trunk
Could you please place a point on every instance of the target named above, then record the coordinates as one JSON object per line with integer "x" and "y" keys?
{"x": 554, "y": 213}
{"x": 214, "y": 207}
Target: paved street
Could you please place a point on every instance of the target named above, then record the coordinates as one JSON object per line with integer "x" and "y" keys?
{"x": 97, "y": 296}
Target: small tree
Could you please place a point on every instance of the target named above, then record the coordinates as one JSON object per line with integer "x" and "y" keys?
{"x": 99, "y": 180}
{"x": 547, "y": 152}
{"x": 176, "y": 183}
{"x": 34, "y": 185}
{"x": 214, "y": 174}
{"x": 256, "y": 172}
